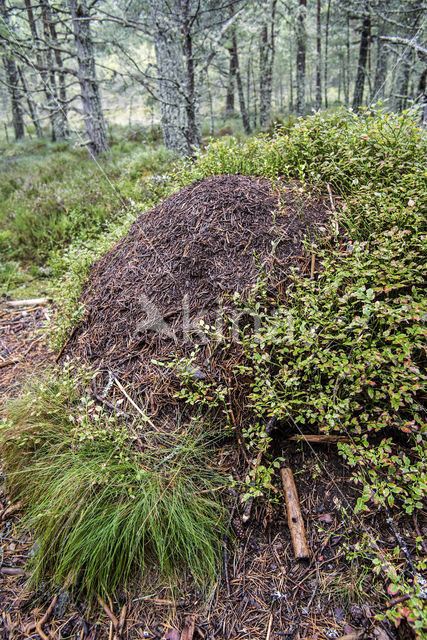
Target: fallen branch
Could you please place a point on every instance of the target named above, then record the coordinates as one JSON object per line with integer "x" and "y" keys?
{"x": 295, "y": 521}
{"x": 320, "y": 439}
{"x": 32, "y": 302}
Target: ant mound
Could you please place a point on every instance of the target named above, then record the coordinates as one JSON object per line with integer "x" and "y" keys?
{"x": 181, "y": 262}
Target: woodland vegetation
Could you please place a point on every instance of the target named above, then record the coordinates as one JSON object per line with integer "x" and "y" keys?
{"x": 109, "y": 108}
{"x": 70, "y": 66}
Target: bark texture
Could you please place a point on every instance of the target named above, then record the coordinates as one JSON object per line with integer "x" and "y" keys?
{"x": 365, "y": 35}
{"x": 12, "y": 80}
{"x": 90, "y": 94}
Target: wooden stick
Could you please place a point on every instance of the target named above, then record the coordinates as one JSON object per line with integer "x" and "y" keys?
{"x": 295, "y": 521}
{"x": 320, "y": 439}
{"x": 33, "y": 302}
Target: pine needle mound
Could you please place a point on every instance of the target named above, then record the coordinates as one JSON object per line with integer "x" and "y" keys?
{"x": 184, "y": 259}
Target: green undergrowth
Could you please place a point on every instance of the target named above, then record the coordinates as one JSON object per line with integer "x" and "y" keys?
{"x": 54, "y": 195}
{"x": 345, "y": 353}
{"x": 106, "y": 500}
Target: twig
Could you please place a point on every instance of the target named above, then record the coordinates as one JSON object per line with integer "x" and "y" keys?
{"x": 139, "y": 410}
{"x": 45, "y": 618}
{"x": 394, "y": 601}
{"x": 270, "y": 622}
{"x": 401, "y": 543}
{"x": 107, "y": 404}
{"x": 66, "y": 342}
{"x": 10, "y": 510}
{"x": 108, "y": 613}
{"x": 12, "y": 571}
{"x": 313, "y": 264}
{"x": 8, "y": 363}
{"x": 331, "y": 197}
{"x": 352, "y": 636}
{"x": 188, "y": 630}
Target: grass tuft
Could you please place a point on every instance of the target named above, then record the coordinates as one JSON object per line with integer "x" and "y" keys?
{"x": 104, "y": 502}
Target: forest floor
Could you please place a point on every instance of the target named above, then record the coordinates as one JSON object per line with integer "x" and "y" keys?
{"x": 354, "y": 366}
{"x": 263, "y": 591}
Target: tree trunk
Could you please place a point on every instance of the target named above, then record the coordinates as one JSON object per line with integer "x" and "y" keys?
{"x": 301, "y": 55}
{"x": 363, "y": 57}
{"x": 422, "y": 96}
{"x": 15, "y": 96}
{"x": 291, "y": 79}
{"x": 267, "y": 52}
{"x": 347, "y": 63}
{"x": 47, "y": 89}
{"x": 31, "y": 105}
{"x": 61, "y": 121}
{"x": 318, "y": 104}
{"x": 243, "y": 109}
{"x": 401, "y": 86}
{"x": 193, "y": 132}
{"x": 380, "y": 68}
{"x": 229, "y": 99}
{"x": 12, "y": 80}
{"x": 90, "y": 94}
{"x": 326, "y": 69}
